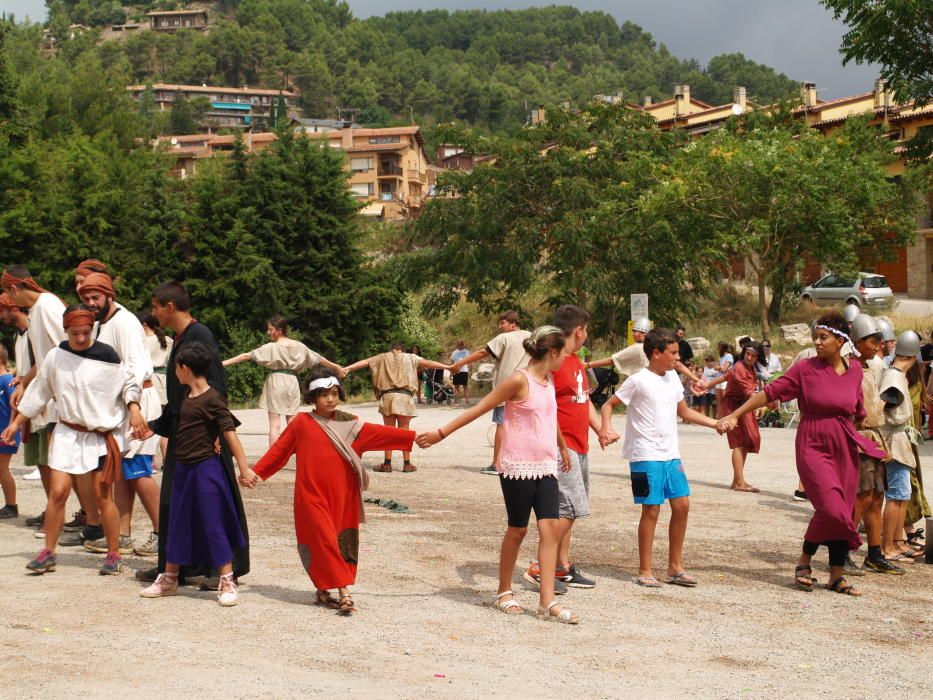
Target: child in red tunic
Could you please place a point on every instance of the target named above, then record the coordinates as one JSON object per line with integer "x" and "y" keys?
{"x": 329, "y": 483}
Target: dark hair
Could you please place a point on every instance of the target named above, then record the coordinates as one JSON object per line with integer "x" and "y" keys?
{"x": 834, "y": 320}
{"x": 658, "y": 339}
{"x": 397, "y": 345}
{"x": 680, "y": 328}
{"x": 280, "y": 324}
{"x": 568, "y": 318}
{"x": 172, "y": 292}
{"x": 745, "y": 341}
{"x": 151, "y": 322}
{"x": 914, "y": 375}
{"x": 754, "y": 347}
{"x": 709, "y": 358}
{"x": 197, "y": 357}
{"x": 511, "y": 317}
{"x": 321, "y": 372}
{"x": 76, "y": 307}
{"x": 415, "y": 349}
{"x": 18, "y": 271}
{"x": 541, "y": 345}
{"x": 722, "y": 348}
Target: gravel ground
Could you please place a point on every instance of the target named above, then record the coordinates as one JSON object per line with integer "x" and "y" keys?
{"x": 425, "y": 626}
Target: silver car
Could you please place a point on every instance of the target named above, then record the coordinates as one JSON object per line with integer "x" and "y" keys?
{"x": 868, "y": 290}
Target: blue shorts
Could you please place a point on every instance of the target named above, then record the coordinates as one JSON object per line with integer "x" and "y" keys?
{"x": 137, "y": 467}
{"x": 898, "y": 481}
{"x": 656, "y": 482}
{"x": 498, "y": 415}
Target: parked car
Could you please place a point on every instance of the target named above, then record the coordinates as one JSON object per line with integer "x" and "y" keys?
{"x": 868, "y": 290}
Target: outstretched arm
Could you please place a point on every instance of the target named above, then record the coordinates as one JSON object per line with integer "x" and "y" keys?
{"x": 757, "y": 400}
{"x": 341, "y": 373}
{"x": 505, "y": 391}
{"x": 359, "y": 364}
{"x": 472, "y": 357}
{"x": 279, "y": 452}
{"x": 691, "y": 416}
{"x": 431, "y": 364}
{"x": 237, "y": 359}
{"x": 605, "y": 362}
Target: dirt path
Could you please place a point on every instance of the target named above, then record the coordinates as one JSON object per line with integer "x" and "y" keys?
{"x": 424, "y": 627}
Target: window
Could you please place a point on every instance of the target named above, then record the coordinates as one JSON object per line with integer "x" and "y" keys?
{"x": 875, "y": 282}
{"x": 361, "y": 165}
{"x": 827, "y": 282}
{"x": 362, "y": 189}
{"x": 385, "y": 139}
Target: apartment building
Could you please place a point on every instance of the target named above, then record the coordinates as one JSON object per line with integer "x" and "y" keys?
{"x": 173, "y": 20}
{"x": 231, "y": 107}
{"x": 184, "y": 152}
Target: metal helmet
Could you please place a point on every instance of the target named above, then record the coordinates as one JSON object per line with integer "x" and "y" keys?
{"x": 850, "y": 312}
{"x": 887, "y": 330}
{"x": 908, "y": 344}
{"x": 864, "y": 326}
{"x": 641, "y": 325}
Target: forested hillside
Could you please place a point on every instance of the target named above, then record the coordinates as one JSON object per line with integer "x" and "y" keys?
{"x": 485, "y": 69}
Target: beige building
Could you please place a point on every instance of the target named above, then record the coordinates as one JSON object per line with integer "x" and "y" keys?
{"x": 388, "y": 168}
{"x": 184, "y": 152}
{"x": 173, "y": 20}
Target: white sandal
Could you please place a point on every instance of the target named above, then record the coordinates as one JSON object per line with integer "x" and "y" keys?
{"x": 565, "y": 616}
{"x": 507, "y": 605}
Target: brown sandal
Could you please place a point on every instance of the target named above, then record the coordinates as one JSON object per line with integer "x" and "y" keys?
{"x": 325, "y": 599}
{"x": 409, "y": 467}
{"x": 384, "y": 467}
{"x": 346, "y": 606}
{"x": 840, "y": 585}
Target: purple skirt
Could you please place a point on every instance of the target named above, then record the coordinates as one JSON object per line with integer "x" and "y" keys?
{"x": 203, "y": 525}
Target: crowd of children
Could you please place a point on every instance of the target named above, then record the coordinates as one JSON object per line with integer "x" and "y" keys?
{"x": 84, "y": 397}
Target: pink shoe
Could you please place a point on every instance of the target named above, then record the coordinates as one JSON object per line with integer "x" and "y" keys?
{"x": 164, "y": 585}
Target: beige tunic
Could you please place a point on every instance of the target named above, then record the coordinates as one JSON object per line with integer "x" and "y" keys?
{"x": 395, "y": 381}
{"x": 630, "y": 360}
{"x": 281, "y": 393}
{"x": 897, "y": 418}
{"x": 874, "y": 406}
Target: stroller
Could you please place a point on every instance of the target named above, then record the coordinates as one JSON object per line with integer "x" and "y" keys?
{"x": 606, "y": 381}
{"x": 438, "y": 391}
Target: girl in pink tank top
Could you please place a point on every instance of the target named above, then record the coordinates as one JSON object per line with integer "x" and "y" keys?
{"x": 532, "y": 449}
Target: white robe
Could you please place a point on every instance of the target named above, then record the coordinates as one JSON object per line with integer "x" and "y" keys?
{"x": 88, "y": 392}
{"x": 45, "y": 333}
{"x": 124, "y": 333}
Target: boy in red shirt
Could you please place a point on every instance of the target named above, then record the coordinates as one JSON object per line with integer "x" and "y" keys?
{"x": 575, "y": 416}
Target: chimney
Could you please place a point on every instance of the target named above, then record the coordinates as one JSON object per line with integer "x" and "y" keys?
{"x": 647, "y": 102}
{"x": 881, "y": 95}
{"x": 808, "y": 94}
{"x": 739, "y": 98}
{"x": 346, "y": 138}
{"x": 681, "y": 100}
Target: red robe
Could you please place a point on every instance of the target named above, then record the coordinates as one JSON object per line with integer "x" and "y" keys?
{"x": 741, "y": 385}
{"x": 327, "y": 494}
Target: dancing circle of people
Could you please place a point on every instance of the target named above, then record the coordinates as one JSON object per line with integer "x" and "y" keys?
{"x": 99, "y": 392}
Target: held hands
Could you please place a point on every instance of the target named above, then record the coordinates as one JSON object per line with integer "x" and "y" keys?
{"x": 138, "y": 425}
{"x": 425, "y": 440}
{"x": 608, "y": 437}
{"x": 8, "y": 436}
{"x": 455, "y": 367}
{"x": 248, "y": 478}
{"x": 727, "y": 424}
{"x": 699, "y": 387}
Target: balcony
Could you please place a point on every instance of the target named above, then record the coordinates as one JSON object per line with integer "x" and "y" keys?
{"x": 389, "y": 169}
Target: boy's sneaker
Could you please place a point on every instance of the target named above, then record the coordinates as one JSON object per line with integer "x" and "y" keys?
{"x": 800, "y": 495}
{"x": 851, "y": 568}
{"x": 78, "y": 520}
{"x": 34, "y": 475}
{"x": 882, "y": 566}
{"x": 573, "y": 578}
{"x": 227, "y": 593}
{"x": 491, "y": 470}
{"x": 39, "y": 534}
{"x": 150, "y": 548}
{"x": 533, "y": 577}
{"x": 112, "y": 565}
{"x": 44, "y": 561}
{"x": 100, "y": 545}
{"x": 8, "y": 512}
{"x": 36, "y": 520}
{"x": 86, "y": 533}
{"x": 163, "y": 586}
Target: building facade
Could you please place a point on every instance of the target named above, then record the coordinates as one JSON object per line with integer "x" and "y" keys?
{"x": 173, "y": 20}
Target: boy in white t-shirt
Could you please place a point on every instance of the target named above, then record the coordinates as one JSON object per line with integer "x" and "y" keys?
{"x": 655, "y": 398}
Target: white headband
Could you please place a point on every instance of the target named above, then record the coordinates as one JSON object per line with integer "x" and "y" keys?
{"x": 323, "y": 383}
{"x": 839, "y": 334}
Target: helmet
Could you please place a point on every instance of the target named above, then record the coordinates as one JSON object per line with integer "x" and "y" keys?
{"x": 864, "y": 326}
{"x": 887, "y": 330}
{"x": 641, "y": 325}
{"x": 908, "y": 344}
{"x": 850, "y": 312}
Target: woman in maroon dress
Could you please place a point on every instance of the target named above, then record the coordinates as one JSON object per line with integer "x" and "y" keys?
{"x": 828, "y": 390}
{"x": 741, "y": 383}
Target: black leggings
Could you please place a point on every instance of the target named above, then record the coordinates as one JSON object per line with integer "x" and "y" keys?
{"x": 838, "y": 550}
{"x": 523, "y": 495}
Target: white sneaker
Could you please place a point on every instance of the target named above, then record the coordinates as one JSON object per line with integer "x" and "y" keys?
{"x": 33, "y": 475}
{"x": 227, "y": 593}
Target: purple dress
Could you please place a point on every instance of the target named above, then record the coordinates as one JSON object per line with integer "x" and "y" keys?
{"x": 827, "y": 443}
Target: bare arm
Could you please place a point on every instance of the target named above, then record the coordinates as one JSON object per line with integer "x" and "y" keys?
{"x": 21, "y": 386}
{"x": 756, "y": 401}
{"x": 237, "y": 359}
{"x": 431, "y": 364}
{"x": 472, "y": 357}
{"x": 334, "y": 366}
{"x": 248, "y": 477}
{"x": 682, "y": 368}
{"x": 565, "y": 464}
{"x": 605, "y": 362}
{"x": 606, "y": 415}
{"x": 505, "y": 391}
{"x": 359, "y": 364}
{"x": 691, "y": 416}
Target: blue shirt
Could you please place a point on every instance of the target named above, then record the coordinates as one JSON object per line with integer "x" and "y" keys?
{"x": 6, "y": 393}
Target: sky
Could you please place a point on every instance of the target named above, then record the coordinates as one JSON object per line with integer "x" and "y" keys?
{"x": 799, "y": 38}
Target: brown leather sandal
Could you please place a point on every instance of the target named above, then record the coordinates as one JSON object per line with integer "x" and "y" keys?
{"x": 346, "y": 606}
{"x": 409, "y": 467}
{"x": 325, "y": 599}
{"x": 384, "y": 467}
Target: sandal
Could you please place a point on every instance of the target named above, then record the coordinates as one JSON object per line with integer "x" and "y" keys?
{"x": 565, "y": 616}
{"x": 510, "y": 605}
{"x": 840, "y": 585}
{"x": 748, "y": 488}
{"x": 384, "y": 467}
{"x": 409, "y": 467}
{"x": 901, "y": 556}
{"x": 346, "y": 606}
{"x": 647, "y": 581}
{"x": 325, "y": 599}
{"x": 682, "y": 579}
{"x": 804, "y": 582}
{"x": 915, "y": 538}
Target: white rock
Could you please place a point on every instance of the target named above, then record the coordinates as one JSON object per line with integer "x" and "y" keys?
{"x": 797, "y": 333}
{"x": 698, "y": 345}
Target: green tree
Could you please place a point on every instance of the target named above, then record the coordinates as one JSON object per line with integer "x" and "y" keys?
{"x": 781, "y": 195}
{"x": 898, "y": 35}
